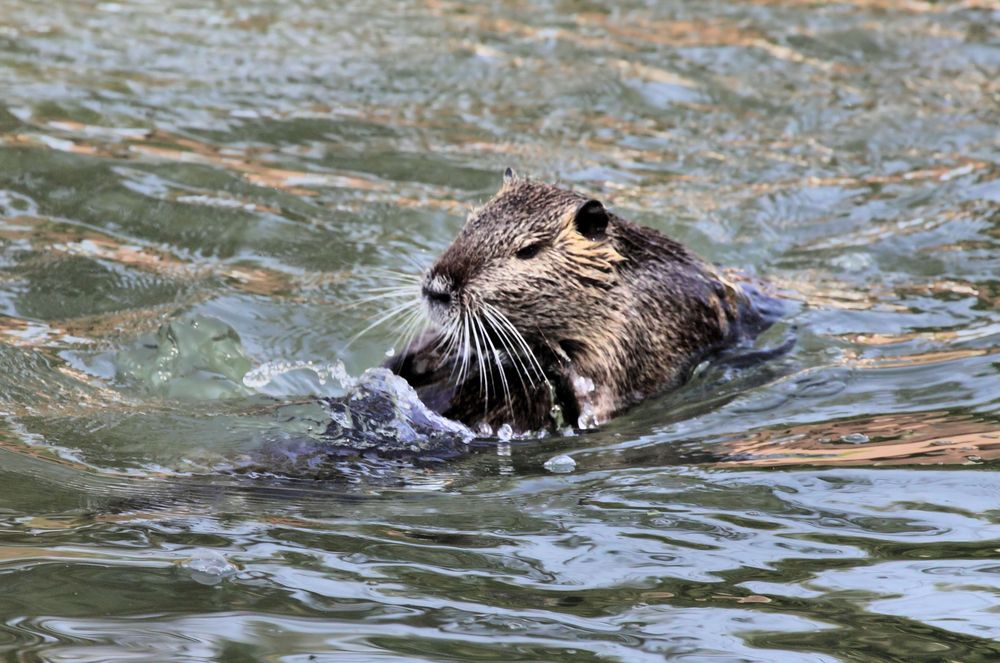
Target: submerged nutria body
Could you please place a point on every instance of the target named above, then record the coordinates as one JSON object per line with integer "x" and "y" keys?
{"x": 547, "y": 308}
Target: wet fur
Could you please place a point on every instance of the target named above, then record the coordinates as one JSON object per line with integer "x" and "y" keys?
{"x": 627, "y": 309}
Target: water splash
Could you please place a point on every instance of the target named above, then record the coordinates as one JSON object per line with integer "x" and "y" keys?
{"x": 196, "y": 359}
{"x": 324, "y": 415}
{"x": 288, "y": 378}
{"x": 379, "y": 417}
{"x": 384, "y": 404}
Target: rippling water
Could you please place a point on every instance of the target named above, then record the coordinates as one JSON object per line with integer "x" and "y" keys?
{"x": 224, "y": 177}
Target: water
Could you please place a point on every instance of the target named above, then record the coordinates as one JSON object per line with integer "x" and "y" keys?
{"x": 238, "y": 172}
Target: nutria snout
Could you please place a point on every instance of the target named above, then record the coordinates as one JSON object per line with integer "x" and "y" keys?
{"x": 438, "y": 293}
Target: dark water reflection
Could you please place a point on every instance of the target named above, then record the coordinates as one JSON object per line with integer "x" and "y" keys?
{"x": 255, "y": 163}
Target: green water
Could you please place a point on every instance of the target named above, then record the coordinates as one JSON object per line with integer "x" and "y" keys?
{"x": 251, "y": 166}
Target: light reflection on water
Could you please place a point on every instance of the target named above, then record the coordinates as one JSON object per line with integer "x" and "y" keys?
{"x": 257, "y": 163}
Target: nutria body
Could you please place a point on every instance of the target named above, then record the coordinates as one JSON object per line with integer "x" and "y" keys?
{"x": 547, "y": 306}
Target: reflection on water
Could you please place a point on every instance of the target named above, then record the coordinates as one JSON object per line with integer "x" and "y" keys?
{"x": 249, "y": 167}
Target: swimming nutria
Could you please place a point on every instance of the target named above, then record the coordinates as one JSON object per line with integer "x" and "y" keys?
{"x": 547, "y": 299}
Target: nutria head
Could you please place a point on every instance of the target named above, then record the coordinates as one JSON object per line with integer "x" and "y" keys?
{"x": 535, "y": 258}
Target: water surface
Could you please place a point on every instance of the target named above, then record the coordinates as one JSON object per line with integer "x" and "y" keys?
{"x": 239, "y": 172}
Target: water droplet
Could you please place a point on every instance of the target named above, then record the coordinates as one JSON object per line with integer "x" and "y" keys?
{"x": 505, "y": 432}
{"x": 583, "y": 385}
{"x": 560, "y": 464}
{"x": 587, "y": 418}
{"x": 854, "y": 438}
{"x": 208, "y": 567}
{"x": 853, "y": 262}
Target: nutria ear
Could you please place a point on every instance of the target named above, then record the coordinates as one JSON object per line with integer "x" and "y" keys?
{"x": 509, "y": 177}
{"x": 591, "y": 220}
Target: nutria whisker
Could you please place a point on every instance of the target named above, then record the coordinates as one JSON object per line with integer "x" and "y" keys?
{"x": 519, "y": 338}
{"x": 516, "y": 363}
{"x": 408, "y": 292}
{"x": 505, "y": 322}
{"x": 484, "y": 379}
{"x": 495, "y": 356}
{"x": 507, "y": 340}
{"x": 413, "y": 324}
{"x": 447, "y": 344}
{"x": 391, "y": 289}
{"x": 488, "y": 346}
{"x": 399, "y": 306}
{"x": 467, "y": 356}
{"x": 418, "y": 268}
{"x": 461, "y": 335}
{"x": 466, "y": 348}
{"x": 398, "y": 276}
{"x": 399, "y": 309}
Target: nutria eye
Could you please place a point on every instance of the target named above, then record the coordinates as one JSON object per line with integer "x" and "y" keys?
{"x": 529, "y": 251}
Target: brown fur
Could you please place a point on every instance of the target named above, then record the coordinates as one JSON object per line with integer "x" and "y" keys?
{"x": 626, "y": 310}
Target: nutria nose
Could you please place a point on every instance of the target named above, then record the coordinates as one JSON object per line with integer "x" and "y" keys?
{"x": 436, "y": 296}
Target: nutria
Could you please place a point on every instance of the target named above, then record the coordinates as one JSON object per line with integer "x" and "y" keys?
{"x": 547, "y": 308}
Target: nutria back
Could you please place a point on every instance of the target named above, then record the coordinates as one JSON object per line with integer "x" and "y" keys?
{"x": 549, "y": 309}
